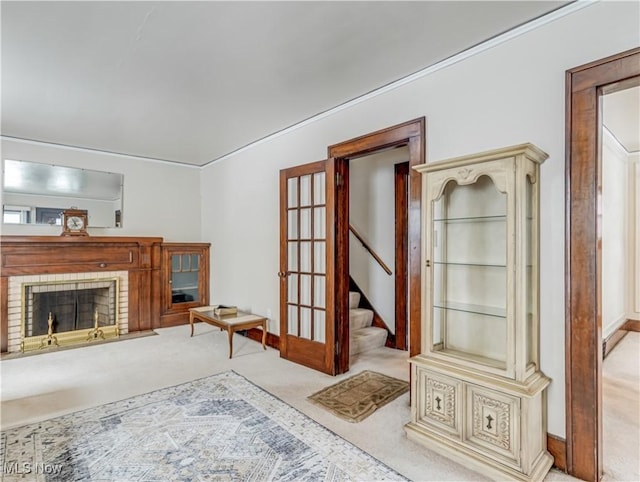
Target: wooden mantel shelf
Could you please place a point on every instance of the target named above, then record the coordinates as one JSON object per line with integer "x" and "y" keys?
{"x": 139, "y": 256}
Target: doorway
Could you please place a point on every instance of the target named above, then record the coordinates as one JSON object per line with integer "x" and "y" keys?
{"x": 378, "y": 261}
{"x": 410, "y": 134}
{"x": 583, "y": 270}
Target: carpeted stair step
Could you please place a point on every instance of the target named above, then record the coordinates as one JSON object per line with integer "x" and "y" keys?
{"x": 354, "y": 299}
{"x": 365, "y": 339}
{"x": 360, "y": 318}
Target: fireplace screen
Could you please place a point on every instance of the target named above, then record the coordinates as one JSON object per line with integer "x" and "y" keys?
{"x": 67, "y": 312}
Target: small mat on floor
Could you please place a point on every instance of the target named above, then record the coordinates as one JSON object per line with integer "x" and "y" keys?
{"x": 357, "y": 397}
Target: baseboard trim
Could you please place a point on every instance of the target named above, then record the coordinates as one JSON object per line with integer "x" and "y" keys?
{"x": 613, "y": 339}
{"x": 557, "y": 447}
{"x": 273, "y": 341}
{"x": 631, "y": 325}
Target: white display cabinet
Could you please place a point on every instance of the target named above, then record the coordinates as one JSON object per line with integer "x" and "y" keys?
{"x": 477, "y": 391}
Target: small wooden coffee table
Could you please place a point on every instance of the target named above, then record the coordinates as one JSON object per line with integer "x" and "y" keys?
{"x": 231, "y": 323}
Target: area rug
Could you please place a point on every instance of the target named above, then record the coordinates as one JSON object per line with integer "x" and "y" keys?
{"x": 357, "y": 397}
{"x": 218, "y": 428}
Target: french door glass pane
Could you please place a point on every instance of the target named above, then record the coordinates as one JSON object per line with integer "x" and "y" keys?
{"x": 319, "y": 262}
{"x": 305, "y": 256}
{"x": 292, "y": 223}
{"x": 305, "y": 289}
{"x": 292, "y": 288}
{"x": 319, "y": 188}
{"x": 305, "y": 223}
{"x": 319, "y": 222}
{"x": 292, "y": 192}
{"x": 293, "y": 320}
{"x": 305, "y": 323}
{"x": 319, "y": 326}
{"x": 305, "y": 190}
{"x": 319, "y": 291}
{"x": 292, "y": 256}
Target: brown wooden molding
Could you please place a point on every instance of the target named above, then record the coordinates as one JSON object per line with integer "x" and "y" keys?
{"x": 631, "y": 325}
{"x": 4, "y": 313}
{"x": 583, "y": 259}
{"x": 401, "y": 183}
{"x": 557, "y": 447}
{"x": 256, "y": 334}
{"x": 612, "y": 340}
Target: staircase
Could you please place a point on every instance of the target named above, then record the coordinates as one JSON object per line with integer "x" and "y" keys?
{"x": 362, "y": 336}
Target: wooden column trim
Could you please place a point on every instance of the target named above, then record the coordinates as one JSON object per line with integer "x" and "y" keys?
{"x": 583, "y": 321}
{"x": 4, "y": 314}
{"x": 401, "y": 184}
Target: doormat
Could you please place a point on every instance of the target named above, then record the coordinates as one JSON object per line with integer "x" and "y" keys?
{"x": 219, "y": 428}
{"x": 357, "y": 397}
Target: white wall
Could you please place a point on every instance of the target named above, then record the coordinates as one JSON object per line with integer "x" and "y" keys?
{"x": 615, "y": 235}
{"x": 372, "y": 214}
{"x": 633, "y": 306}
{"x": 509, "y": 94}
{"x": 159, "y": 199}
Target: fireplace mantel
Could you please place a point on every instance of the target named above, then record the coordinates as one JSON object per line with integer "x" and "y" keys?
{"x": 139, "y": 256}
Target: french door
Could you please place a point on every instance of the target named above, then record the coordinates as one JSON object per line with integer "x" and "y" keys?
{"x": 310, "y": 331}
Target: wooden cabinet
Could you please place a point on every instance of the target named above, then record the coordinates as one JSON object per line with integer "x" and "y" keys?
{"x": 185, "y": 281}
{"x": 477, "y": 388}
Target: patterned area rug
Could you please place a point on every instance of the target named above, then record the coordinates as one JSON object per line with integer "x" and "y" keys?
{"x": 221, "y": 427}
{"x": 359, "y": 396}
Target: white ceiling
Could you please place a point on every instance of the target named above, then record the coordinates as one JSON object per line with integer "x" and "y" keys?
{"x": 192, "y": 81}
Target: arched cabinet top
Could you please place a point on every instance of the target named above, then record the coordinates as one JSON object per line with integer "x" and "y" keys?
{"x": 465, "y": 170}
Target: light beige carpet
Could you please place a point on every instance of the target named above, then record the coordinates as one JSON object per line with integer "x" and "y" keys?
{"x": 357, "y": 397}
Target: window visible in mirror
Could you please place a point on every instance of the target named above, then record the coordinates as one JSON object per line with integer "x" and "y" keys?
{"x": 40, "y": 192}
{"x": 16, "y": 215}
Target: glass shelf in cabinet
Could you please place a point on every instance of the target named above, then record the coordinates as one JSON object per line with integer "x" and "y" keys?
{"x": 471, "y": 219}
{"x": 471, "y": 308}
{"x": 481, "y": 265}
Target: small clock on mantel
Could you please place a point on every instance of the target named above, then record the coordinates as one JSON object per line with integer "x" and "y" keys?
{"x": 74, "y": 222}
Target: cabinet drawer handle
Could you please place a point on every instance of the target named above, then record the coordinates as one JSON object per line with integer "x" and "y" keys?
{"x": 489, "y": 420}
{"x": 103, "y": 265}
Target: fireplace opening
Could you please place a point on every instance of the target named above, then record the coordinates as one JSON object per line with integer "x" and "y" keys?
{"x": 57, "y": 313}
{"x": 70, "y": 310}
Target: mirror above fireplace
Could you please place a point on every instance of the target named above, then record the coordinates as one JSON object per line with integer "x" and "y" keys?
{"x": 37, "y": 193}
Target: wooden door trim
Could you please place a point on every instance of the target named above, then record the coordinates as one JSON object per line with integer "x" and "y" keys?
{"x": 401, "y": 172}
{"x": 411, "y": 134}
{"x": 583, "y": 323}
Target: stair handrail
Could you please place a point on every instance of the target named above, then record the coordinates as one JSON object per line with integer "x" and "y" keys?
{"x": 366, "y": 246}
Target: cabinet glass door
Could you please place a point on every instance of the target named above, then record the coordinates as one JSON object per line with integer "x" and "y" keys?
{"x": 469, "y": 272}
{"x": 185, "y": 268}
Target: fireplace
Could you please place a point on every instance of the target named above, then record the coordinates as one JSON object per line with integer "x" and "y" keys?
{"x": 135, "y": 261}
{"x": 64, "y": 312}
{"x": 74, "y": 300}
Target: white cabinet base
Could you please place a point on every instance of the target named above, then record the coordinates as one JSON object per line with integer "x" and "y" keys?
{"x": 475, "y": 460}
{"x": 493, "y": 424}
